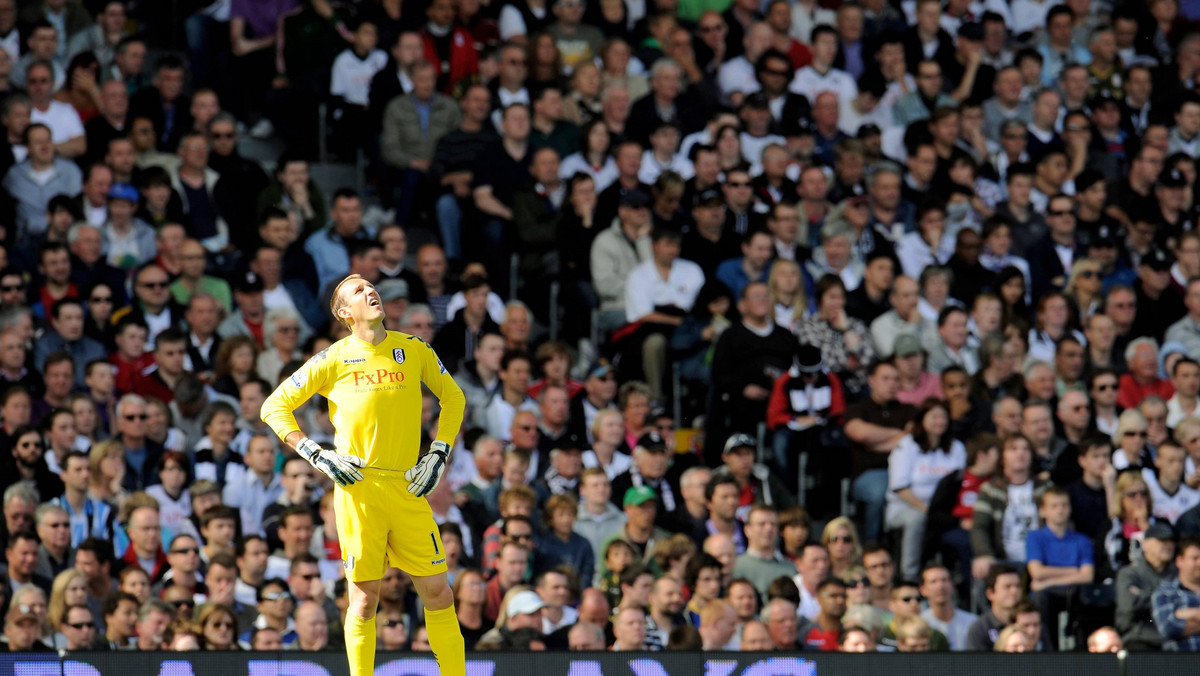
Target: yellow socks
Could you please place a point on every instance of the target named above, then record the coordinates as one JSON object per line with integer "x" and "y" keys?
{"x": 445, "y": 638}
{"x": 360, "y": 645}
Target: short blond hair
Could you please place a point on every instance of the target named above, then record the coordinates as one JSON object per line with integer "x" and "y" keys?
{"x": 335, "y": 301}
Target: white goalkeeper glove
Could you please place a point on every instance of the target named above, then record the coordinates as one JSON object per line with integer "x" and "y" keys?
{"x": 425, "y": 475}
{"x": 343, "y": 468}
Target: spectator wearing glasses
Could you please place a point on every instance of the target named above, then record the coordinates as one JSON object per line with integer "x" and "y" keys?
{"x": 78, "y": 629}
{"x": 275, "y": 606}
{"x": 54, "y": 530}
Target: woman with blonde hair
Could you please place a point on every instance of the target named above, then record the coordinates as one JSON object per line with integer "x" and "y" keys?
{"x": 1130, "y": 447}
{"x": 493, "y": 635}
{"x": 1187, "y": 435}
{"x": 107, "y": 462}
{"x": 1012, "y": 640}
{"x": 858, "y": 586}
{"x": 583, "y": 103}
{"x": 281, "y": 335}
{"x": 1132, "y": 511}
{"x": 608, "y": 434}
{"x": 840, "y": 538}
{"x": 217, "y": 626}
{"x": 1083, "y": 288}
{"x": 69, "y": 588}
{"x": 786, "y": 286}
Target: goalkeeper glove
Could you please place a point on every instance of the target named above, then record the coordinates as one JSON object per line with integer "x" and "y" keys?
{"x": 425, "y": 475}
{"x": 343, "y": 468}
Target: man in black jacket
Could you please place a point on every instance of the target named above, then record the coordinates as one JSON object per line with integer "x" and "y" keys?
{"x": 748, "y": 358}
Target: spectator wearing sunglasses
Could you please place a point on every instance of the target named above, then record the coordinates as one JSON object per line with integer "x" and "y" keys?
{"x": 275, "y": 606}
{"x": 78, "y": 628}
{"x": 906, "y": 603}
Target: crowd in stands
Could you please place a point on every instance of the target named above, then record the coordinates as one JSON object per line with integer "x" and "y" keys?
{"x": 783, "y": 324}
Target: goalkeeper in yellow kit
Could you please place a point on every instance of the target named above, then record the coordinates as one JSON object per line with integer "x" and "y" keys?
{"x": 372, "y": 379}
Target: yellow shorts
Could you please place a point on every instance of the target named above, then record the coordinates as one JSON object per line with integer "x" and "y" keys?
{"x": 380, "y": 524}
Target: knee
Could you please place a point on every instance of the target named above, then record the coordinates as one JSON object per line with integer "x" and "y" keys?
{"x": 363, "y": 602}
{"x": 440, "y": 599}
{"x": 655, "y": 344}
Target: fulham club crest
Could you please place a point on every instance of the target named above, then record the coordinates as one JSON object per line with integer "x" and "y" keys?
{"x": 398, "y": 355}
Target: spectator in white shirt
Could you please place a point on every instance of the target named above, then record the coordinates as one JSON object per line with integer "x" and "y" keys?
{"x": 736, "y": 78}
{"x": 915, "y": 467}
{"x": 658, "y": 293}
{"x": 258, "y": 488}
{"x": 1170, "y": 496}
{"x": 821, "y": 76}
{"x": 66, "y": 129}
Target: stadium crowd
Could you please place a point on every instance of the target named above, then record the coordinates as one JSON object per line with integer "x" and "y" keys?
{"x": 917, "y": 281}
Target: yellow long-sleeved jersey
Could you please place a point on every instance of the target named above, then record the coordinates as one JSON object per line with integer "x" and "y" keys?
{"x": 374, "y": 394}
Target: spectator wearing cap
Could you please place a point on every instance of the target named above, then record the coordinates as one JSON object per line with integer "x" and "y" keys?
{"x": 756, "y": 483}
{"x": 248, "y": 318}
{"x": 22, "y": 629}
{"x": 1114, "y": 268}
{"x": 917, "y": 383}
{"x": 804, "y": 400}
{"x": 1175, "y": 604}
{"x": 1110, "y": 143}
{"x": 1186, "y": 331}
{"x": 640, "y": 505}
{"x": 651, "y": 459}
{"x": 1137, "y": 582}
{"x": 598, "y": 394}
{"x": 128, "y": 241}
{"x": 1159, "y": 305}
{"x": 711, "y": 240}
{"x": 612, "y": 257}
{"x": 1174, "y": 216}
